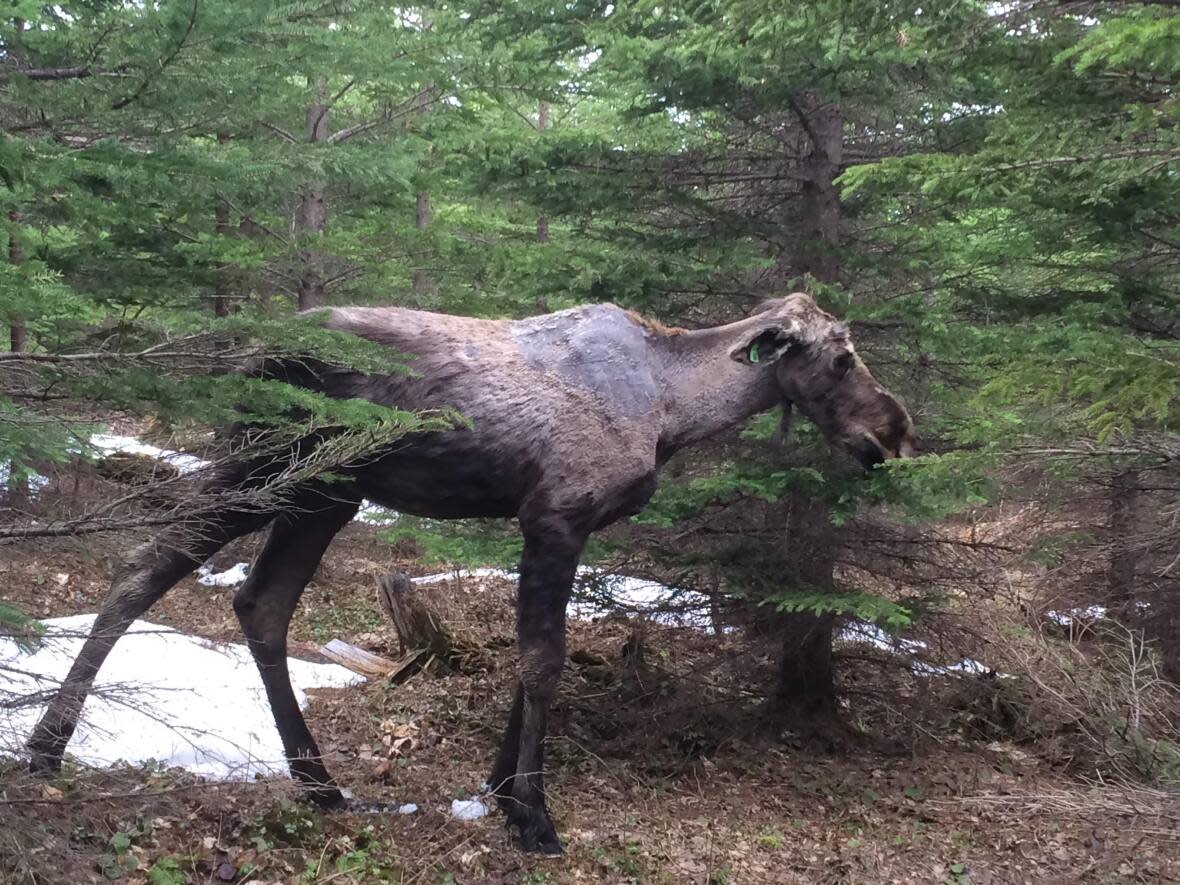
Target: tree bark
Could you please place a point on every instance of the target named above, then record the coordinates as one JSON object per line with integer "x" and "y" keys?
{"x": 1120, "y": 574}
{"x": 805, "y": 679}
{"x": 422, "y": 218}
{"x": 819, "y": 214}
{"x": 542, "y": 219}
{"x": 417, "y": 626}
{"x": 18, "y": 342}
{"x": 221, "y": 284}
{"x": 313, "y": 209}
{"x": 222, "y": 229}
{"x": 18, "y": 330}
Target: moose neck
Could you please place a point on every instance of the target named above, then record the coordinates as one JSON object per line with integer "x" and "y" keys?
{"x": 704, "y": 389}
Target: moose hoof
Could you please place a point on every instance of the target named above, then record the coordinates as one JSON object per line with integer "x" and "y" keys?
{"x": 535, "y": 833}
{"x": 328, "y": 799}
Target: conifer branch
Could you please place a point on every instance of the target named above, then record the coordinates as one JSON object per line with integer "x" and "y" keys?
{"x": 279, "y": 131}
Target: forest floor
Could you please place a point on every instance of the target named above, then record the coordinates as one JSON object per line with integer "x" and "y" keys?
{"x": 664, "y": 772}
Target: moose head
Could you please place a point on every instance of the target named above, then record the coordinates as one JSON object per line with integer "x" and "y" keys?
{"x": 818, "y": 372}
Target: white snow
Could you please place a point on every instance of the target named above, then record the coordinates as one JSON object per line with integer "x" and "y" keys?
{"x": 1087, "y": 613}
{"x": 36, "y": 481}
{"x": 460, "y": 574}
{"x": 645, "y": 597}
{"x": 864, "y": 632}
{"x": 964, "y": 667}
{"x": 229, "y": 578}
{"x": 108, "y": 444}
{"x": 468, "y": 809}
{"x": 408, "y": 808}
{"x": 660, "y": 602}
{"x": 111, "y": 443}
{"x": 161, "y": 695}
{"x": 649, "y": 598}
{"x": 871, "y": 634}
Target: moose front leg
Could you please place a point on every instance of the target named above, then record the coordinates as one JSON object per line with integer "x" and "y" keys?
{"x": 547, "y": 569}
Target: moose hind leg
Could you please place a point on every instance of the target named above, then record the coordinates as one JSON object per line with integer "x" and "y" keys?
{"x": 150, "y": 572}
{"x": 264, "y": 606}
{"x": 550, "y": 560}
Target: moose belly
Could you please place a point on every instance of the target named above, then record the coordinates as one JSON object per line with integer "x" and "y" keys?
{"x": 442, "y": 477}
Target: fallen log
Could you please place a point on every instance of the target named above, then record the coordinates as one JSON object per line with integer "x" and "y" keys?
{"x": 374, "y": 666}
{"x": 357, "y": 659}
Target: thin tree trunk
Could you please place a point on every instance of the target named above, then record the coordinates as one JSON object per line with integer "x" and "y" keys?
{"x": 18, "y": 342}
{"x": 221, "y": 284}
{"x": 1124, "y": 503}
{"x": 222, "y": 229}
{"x": 805, "y": 678}
{"x": 422, "y": 218}
{"x": 313, "y": 210}
{"x": 820, "y": 213}
{"x": 423, "y": 214}
{"x": 542, "y": 219}
{"x": 18, "y": 330}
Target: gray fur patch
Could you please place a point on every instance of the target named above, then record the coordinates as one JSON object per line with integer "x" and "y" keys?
{"x": 596, "y": 348}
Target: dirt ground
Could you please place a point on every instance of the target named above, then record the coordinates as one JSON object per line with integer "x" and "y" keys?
{"x": 663, "y": 770}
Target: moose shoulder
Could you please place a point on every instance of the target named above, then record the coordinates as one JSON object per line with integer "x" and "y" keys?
{"x": 571, "y": 415}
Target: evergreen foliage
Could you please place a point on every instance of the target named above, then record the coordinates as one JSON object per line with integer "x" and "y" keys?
{"x": 176, "y": 179}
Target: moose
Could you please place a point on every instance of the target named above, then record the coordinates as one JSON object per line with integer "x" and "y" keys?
{"x": 572, "y": 414}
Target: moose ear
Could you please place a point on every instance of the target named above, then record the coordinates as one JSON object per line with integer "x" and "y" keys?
{"x": 766, "y": 345}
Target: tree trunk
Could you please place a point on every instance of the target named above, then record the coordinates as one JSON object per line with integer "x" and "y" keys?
{"x": 1120, "y": 574}
{"x": 18, "y": 342}
{"x": 542, "y": 219}
{"x": 221, "y": 285}
{"x": 422, "y": 217}
{"x": 222, "y": 229}
{"x": 313, "y": 211}
{"x": 805, "y": 679}
{"x": 18, "y": 330}
{"x": 819, "y": 219}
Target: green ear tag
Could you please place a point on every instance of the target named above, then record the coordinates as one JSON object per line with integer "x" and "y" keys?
{"x": 752, "y": 353}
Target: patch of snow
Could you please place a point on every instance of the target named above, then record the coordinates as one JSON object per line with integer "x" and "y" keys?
{"x": 444, "y": 577}
{"x": 468, "y": 809}
{"x": 161, "y": 695}
{"x": 659, "y": 602}
{"x": 864, "y": 632}
{"x": 36, "y": 482}
{"x": 111, "y": 443}
{"x": 228, "y": 578}
{"x": 648, "y": 598}
{"x": 965, "y": 667}
{"x": 870, "y": 634}
{"x": 408, "y": 808}
{"x": 1088, "y": 613}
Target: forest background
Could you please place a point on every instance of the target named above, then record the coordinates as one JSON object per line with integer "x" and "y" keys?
{"x": 988, "y": 192}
